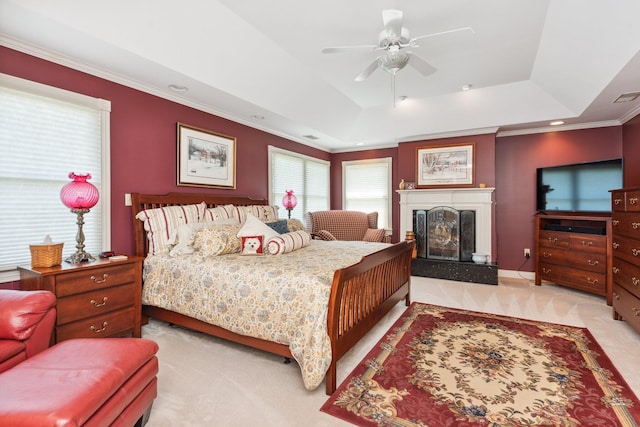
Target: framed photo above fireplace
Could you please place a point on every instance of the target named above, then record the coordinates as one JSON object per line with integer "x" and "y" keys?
{"x": 446, "y": 165}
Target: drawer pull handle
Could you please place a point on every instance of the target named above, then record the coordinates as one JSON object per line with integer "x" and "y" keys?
{"x": 615, "y": 222}
{"x": 635, "y": 225}
{"x": 616, "y": 270}
{"x": 633, "y": 200}
{"x": 635, "y": 252}
{"x": 636, "y": 312}
{"x": 616, "y": 296}
{"x": 635, "y": 281}
{"x": 546, "y": 270}
{"x": 553, "y": 239}
{"x": 99, "y": 304}
{"x": 616, "y": 245}
{"x": 592, "y": 263}
{"x": 98, "y": 281}
{"x": 97, "y": 331}
{"x": 617, "y": 201}
{"x": 546, "y": 255}
{"x": 587, "y": 243}
{"x": 592, "y": 281}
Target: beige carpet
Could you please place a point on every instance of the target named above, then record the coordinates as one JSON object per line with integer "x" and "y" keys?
{"x": 209, "y": 382}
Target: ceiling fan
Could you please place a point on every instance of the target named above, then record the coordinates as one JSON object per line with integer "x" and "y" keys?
{"x": 393, "y": 42}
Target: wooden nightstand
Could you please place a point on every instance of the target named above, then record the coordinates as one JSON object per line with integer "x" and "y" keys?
{"x": 95, "y": 299}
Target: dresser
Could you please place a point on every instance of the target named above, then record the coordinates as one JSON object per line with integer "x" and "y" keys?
{"x": 574, "y": 250}
{"x": 96, "y": 299}
{"x": 625, "y": 245}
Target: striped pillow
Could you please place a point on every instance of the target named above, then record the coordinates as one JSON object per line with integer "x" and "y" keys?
{"x": 288, "y": 242}
{"x": 160, "y": 223}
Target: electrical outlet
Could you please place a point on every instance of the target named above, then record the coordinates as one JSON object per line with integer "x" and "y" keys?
{"x": 527, "y": 253}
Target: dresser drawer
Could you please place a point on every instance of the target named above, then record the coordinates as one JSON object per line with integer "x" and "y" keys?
{"x": 588, "y": 243}
{"x": 554, "y": 239}
{"x": 576, "y": 278}
{"x": 626, "y": 275}
{"x": 626, "y": 248}
{"x": 596, "y": 262}
{"x": 626, "y": 307}
{"x": 108, "y": 325}
{"x": 632, "y": 201}
{"x": 626, "y": 224}
{"x": 91, "y": 279}
{"x": 617, "y": 201}
{"x": 94, "y": 303}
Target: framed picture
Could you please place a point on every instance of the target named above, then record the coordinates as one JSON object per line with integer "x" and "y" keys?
{"x": 205, "y": 159}
{"x": 252, "y": 245}
{"x": 446, "y": 165}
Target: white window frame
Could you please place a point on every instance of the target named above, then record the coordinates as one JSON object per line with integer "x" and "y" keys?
{"x": 275, "y": 198}
{"x": 385, "y": 160}
{"x": 104, "y": 107}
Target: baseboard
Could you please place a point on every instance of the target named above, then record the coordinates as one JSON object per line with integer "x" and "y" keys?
{"x": 514, "y": 274}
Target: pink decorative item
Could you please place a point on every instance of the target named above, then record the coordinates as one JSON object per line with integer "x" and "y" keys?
{"x": 79, "y": 196}
{"x": 289, "y": 201}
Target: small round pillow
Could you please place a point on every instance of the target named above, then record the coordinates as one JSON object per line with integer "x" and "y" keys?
{"x": 288, "y": 242}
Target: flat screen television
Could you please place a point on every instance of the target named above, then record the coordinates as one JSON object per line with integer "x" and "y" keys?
{"x": 580, "y": 187}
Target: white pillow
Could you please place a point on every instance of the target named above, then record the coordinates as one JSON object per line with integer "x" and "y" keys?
{"x": 288, "y": 242}
{"x": 254, "y": 227}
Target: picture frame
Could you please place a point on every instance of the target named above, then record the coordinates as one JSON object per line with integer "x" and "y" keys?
{"x": 446, "y": 165}
{"x": 205, "y": 158}
{"x": 252, "y": 245}
{"x": 411, "y": 186}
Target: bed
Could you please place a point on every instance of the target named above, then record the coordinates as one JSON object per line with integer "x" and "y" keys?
{"x": 357, "y": 295}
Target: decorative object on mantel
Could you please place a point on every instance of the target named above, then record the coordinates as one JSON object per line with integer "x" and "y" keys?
{"x": 446, "y": 165}
{"x": 289, "y": 201}
{"x": 402, "y": 185}
{"x": 411, "y": 185}
{"x": 79, "y": 196}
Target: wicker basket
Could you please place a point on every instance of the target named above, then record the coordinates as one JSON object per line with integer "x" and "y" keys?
{"x": 46, "y": 255}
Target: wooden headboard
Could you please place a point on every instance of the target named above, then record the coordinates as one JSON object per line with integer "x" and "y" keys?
{"x": 140, "y": 202}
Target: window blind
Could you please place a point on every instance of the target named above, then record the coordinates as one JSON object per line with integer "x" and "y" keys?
{"x": 42, "y": 139}
{"x": 367, "y": 188}
{"x": 306, "y": 176}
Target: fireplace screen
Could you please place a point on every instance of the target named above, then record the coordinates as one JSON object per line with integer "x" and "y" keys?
{"x": 445, "y": 233}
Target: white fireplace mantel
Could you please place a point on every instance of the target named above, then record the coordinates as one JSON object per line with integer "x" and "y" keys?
{"x": 477, "y": 199}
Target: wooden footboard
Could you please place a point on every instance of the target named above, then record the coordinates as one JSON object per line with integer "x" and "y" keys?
{"x": 361, "y": 295}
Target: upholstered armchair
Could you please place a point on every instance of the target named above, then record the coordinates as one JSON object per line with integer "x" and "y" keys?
{"x": 345, "y": 225}
{"x": 26, "y": 324}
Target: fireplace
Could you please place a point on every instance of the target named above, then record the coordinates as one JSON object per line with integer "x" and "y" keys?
{"x": 445, "y": 233}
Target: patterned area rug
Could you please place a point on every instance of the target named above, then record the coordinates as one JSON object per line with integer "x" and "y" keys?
{"x": 439, "y": 366}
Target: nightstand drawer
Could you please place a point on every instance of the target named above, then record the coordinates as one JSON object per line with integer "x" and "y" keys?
{"x": 554, "y": 239}
{"x": 94, "y": 303}
{"x": 112, "y": 324}
{"x": 91, "y": 279}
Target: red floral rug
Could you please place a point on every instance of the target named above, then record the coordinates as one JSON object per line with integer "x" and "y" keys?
{"x": 440, "y": 366}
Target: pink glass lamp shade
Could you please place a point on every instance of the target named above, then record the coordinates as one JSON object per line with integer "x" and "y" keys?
{"x": 79, "y": 196}
{"x": 289, "y": 201}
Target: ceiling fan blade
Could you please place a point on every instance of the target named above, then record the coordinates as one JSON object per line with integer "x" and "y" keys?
{"x": 392, "y": 20}
{"x": 412, "y": 42}
{"x": 338, "y": 49}
{"x": 368, "y": 71}
{"x": 422, "y": 66}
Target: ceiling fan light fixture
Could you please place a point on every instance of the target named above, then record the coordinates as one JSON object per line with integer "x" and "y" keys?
{"x": 393, "y": 60}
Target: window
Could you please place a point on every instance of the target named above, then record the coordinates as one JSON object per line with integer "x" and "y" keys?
{"x": 367, "y": 188}
{"x": 45, "y": 133}
{"x": 306, "y": 176}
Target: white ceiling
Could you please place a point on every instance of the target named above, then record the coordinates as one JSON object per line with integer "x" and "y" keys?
{"x": 528, "y": 61}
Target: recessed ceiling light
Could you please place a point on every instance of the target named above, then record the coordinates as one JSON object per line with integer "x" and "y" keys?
{"x": 178, "y": 88}
{"x": 360, "y": 144}
{"x": 557, "y": 123}
{"x": 467, "y": 87}
{"x": 311, "y": 137}
{"x": 403, "y": 97}
{"x": 257, "y": 117}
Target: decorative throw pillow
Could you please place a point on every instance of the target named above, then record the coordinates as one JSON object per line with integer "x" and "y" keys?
{"x": 324, "y": 235}
{"x": 294, "y": 224}
{"x": 288, "y": 242}
{"x": 374, "y": 235}
{"x": 254, "y": 227}
{"x": 213, "y": 240}
{"x": 159, "y": 223}
{"x": 181, "y": 240}
{"x": 280, "y": 226}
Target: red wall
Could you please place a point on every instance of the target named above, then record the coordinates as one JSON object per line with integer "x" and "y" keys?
{"x": 517, "y": 158}
{"x": 631, "y": 151}
{"x": 143, "y": 139}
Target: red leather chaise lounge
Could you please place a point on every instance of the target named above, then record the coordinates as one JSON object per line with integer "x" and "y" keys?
{"x": 79, "y": 382}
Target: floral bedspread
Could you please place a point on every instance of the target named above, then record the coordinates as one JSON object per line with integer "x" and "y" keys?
{"x": 281, "y": 298}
